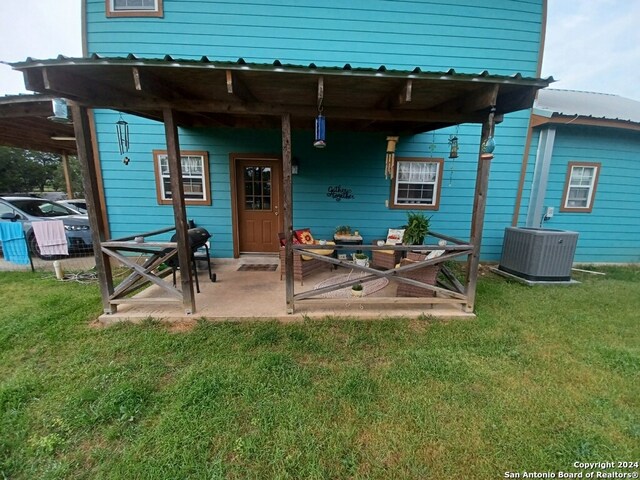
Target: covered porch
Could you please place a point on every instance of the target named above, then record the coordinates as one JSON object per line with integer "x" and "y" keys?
{"x": 188, "y": 93}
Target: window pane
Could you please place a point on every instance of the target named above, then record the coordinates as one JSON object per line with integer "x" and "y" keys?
{"x": 193, "y": 178}
{"x": 416, "y": 183}
{"x": 134, "y": 5}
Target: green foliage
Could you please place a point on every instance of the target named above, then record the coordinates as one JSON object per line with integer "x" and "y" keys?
{"x": 357, "y": 287}
{"x": 543, "y": 377}
{"x": 343, "y": 230}
{"x": 416, "y": 229}
{"x": 26, "y": 170}
{"x": 58, "y": 182}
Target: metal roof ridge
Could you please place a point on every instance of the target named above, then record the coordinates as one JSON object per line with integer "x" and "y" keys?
{"x": 205, "y": 60}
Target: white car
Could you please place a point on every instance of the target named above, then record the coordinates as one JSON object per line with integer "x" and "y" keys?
{"x": 77, "y": 204}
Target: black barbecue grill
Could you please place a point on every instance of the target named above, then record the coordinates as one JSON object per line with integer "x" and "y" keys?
{"x": 198, "y": 238}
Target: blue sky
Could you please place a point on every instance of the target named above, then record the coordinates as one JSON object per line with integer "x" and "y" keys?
{"x": 591, "y": 45}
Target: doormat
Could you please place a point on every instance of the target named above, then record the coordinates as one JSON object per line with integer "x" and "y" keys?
{"x": 258, "y": 267}
{"x": 368, "y": 287}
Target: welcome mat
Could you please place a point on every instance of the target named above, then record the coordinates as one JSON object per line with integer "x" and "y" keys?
{"x": 258, "y": 267}
{"x": 368, "y": 287}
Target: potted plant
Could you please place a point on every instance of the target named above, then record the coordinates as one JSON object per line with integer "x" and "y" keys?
{"x": 356, "y": 290}
{"x": 361, "y": 259}
{"x": 343, "y": 230}
{"x": 416, "y": 229}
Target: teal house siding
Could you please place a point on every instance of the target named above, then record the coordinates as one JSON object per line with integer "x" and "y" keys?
{"x": 610, "y": 232}
{"x": 502, "y": 37}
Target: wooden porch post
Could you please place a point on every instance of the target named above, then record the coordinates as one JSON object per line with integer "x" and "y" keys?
{"x": 94, "y": 208}
{"x": 67, "y": 178}
{"x": 287, "y": 209}
{"x": 179, "y": 211}
{"x": 479, "y": 207}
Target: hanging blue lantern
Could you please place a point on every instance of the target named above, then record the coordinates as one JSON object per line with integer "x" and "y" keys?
{"x": 320, "y": 140}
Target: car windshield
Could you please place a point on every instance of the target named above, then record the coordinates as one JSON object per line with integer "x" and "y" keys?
{"x": 41, "y": 208}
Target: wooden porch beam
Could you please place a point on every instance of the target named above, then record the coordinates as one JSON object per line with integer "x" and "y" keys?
{"x": 479, "y": 207}
{"x": 398, "y": 97}
{"x": 94, "y": 204}
{"x": 148, "y": 84}
{"x": 479, "y": 100}
{"x": 179, "y": 211}
{"x": 67, "y": 176}
{"x": 287, "y": 209}
{"x": 239, "y": 89}
{"x": 75, "y": 87}
{"x": 308, "y": 111}
{"x": 33, "y": 109}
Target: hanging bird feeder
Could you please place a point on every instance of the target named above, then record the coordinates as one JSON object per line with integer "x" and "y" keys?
{"x": 453, "y": 144}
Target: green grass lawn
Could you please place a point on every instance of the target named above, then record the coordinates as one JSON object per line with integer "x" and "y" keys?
{"x": 544, "y": 377}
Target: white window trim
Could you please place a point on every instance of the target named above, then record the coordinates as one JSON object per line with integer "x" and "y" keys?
{"x": 159, "y": 155}
{"x": 156, "y": 11}
{"x": 592, "y": 187}
{"x": 437, "y": 184}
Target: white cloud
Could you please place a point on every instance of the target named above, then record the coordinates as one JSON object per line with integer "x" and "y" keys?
{"x": 594, "y": 45}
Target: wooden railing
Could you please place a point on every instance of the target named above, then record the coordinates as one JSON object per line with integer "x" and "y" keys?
{"x": 449, "y": 289}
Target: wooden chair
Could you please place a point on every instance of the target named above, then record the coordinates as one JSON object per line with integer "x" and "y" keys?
{"x": 386, "y": 259}
{"x": 302, "y": 264}
{"x": 428, "y": 275}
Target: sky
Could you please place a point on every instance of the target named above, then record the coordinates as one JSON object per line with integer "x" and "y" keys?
{"x": 591, "y": 45}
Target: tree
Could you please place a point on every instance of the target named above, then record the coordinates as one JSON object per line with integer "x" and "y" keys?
{"x": 58, "y": 181}
{"x": 23, "y": 171}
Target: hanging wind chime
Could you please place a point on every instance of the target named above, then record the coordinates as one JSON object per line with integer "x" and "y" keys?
{"x": 320, "y": 140}
{"x": 391, "y": 157}
{"x": 122, "y": 130}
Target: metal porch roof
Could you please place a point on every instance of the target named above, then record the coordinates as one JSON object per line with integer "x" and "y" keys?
{"x": 24, "y": 123}
{"x": 587, "y": 104}
{"x": 240, "y": 94}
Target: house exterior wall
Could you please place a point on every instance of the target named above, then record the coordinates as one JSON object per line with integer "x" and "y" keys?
{"x": 611, "y": 231}
{"x": 503, "y": 38}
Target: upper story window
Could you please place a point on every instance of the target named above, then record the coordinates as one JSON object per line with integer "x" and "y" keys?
{"x": 580, "y": 187}
{"x": 134, "y": 8}
{"x": 195, "y": 177}
{"x": 416, "y": 183}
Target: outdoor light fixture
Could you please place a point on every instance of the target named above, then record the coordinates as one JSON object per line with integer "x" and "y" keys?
{"x": 321, "y": 133}
{"x": 453, "y": 142}
{"x": 391, "y": 156}
{"x": 295, "y": 166}
{"x": 122, "y": 129}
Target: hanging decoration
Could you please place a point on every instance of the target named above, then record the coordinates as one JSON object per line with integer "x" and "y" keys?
{"x": 453, "y": 145}
{"x": 489, "y": 143}
{"x": 391, "y": 157}
{"x": 122, "y": 130}
{"x": 432, "y": 145}
{"x": 320, "y": 140}
{"x": 453, "y": 153}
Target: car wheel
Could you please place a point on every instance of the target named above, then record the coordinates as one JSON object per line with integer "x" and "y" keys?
{"x": 35, "y": 249}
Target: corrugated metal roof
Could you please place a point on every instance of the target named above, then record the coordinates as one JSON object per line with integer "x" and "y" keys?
{"x": 587, "y": 104}
{"x": 241, "y": 64}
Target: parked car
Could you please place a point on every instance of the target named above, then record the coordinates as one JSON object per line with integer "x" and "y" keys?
{"x": 77, "y": 204}
{"x": 27, "y": 210}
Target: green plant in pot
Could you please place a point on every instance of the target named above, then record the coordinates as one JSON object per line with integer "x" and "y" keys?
{"x": 416, "y": 229}
{"x": 356, "y": 290}
{"x": 361, "y": 259}
{"x": 343, "y": 230}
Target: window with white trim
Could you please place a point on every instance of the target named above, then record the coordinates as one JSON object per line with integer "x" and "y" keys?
{"x": 134, "y": 8}
{"x": 580, "y": 187}
{"x": 195, "y": 177}
{"x": 416, "y": 183}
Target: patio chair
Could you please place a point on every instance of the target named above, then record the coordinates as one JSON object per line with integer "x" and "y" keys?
{"x": 303, "y": 265}
{"x": 427, "y": 274}
{"x": 388, "y": 259}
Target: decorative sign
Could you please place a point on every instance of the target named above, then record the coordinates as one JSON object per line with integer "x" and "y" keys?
{"x": 338, "y": 193}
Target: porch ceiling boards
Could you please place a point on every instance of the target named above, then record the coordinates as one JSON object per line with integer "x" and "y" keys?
{"x": 24, "y": 124}
{"x": 244, "y": 95}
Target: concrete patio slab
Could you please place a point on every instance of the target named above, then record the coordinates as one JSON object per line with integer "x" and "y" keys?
{"x": 260, "y": 295}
